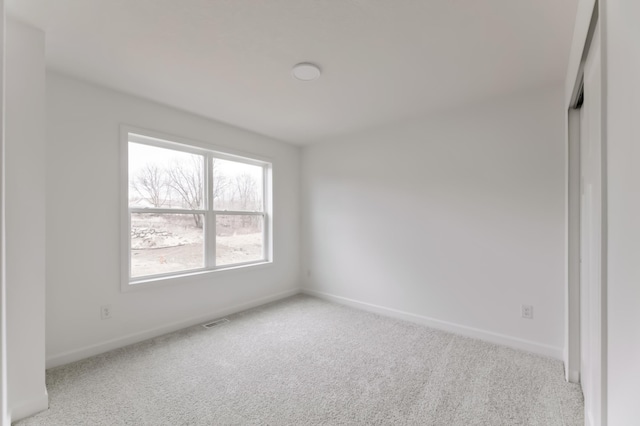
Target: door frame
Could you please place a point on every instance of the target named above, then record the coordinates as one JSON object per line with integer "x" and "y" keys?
{"x": 4, "y": 415}
{"x": 587, "y": 20}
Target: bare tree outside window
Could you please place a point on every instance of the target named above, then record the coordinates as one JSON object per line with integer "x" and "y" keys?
{"x": 151, "y": 185}
{"x": 246, "y": 190}
{"x": 243, "y": 186}
{"x": 187, "y": 181}
{"x": 220, "y": 181}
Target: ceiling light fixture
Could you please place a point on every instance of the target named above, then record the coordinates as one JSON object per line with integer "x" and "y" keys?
{"x": 306, "y": 71}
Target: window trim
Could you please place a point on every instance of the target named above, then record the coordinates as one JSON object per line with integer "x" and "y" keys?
{"x": 209, "y": 151}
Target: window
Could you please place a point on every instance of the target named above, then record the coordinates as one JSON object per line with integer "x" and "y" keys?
{"x": 191, "y": 210}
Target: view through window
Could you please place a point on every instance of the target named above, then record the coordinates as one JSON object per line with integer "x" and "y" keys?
{"x": 192, "y": 209}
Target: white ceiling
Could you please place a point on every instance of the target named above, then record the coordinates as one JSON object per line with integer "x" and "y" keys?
{"x": 383, "y": 61}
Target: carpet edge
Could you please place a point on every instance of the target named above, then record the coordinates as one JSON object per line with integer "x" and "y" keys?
{"x": 67, "y": 357}
{"x": 462, "y": 330}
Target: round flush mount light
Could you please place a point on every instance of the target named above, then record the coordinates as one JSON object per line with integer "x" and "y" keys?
{"x": 306, "y": 71}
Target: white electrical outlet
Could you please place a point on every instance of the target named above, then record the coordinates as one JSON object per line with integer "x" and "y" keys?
{"x": 105, "y": 312}
{"x": 527, "y": 311}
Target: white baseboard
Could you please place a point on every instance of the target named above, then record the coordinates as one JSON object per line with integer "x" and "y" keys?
{"x": 463, "y": 330}
{"x": 573, "y": 376}
{"x": 28, "y": 408}
{"x": 98, "y": 348}
{"x": 588, "y": 419}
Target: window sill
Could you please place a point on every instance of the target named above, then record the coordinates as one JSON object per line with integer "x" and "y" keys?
{"x": 189, "y": 277}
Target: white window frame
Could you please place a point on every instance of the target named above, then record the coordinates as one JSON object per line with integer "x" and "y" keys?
{"x": 209, "y": 151}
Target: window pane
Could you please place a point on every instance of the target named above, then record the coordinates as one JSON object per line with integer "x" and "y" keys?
{"x": 165, "y": 178}
{"x": 162, "y": 243}
{"x": 237, "y": 186}
{"x": 239, "y": 239}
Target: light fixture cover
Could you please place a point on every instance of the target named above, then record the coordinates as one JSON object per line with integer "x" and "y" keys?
{"x": 306, "y": 71}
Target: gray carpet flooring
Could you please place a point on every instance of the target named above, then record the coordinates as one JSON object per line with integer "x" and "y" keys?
{"x": 304, "y": 361}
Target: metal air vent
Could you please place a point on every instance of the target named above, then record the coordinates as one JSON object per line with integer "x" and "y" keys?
{"x": 215, "y": 323}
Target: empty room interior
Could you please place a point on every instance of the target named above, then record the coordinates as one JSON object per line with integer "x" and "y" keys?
{"x": 300, "y": 212}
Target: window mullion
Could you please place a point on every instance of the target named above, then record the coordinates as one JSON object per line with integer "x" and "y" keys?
{"x": 165, "y": 211}
{"x": 238, "y": 213}
{"x": 210, "y": 237}
{"x": 265, "y": 220}
{"x": 129, "y": 242}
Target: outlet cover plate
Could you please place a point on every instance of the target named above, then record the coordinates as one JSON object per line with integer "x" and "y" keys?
{"x": 105, "y": 312}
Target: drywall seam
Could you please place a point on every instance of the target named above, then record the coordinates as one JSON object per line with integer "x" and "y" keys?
{"x": 476, "y": 333}
{"x": 98, "y": 348}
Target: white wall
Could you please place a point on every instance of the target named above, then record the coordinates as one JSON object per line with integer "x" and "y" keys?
{"x": 25, "y": 219}
{"x": 83, "y": 210}
{"x": 4, "y": 415}
{"x": 621, "y": 37}
{"x": 454, "y": 221}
